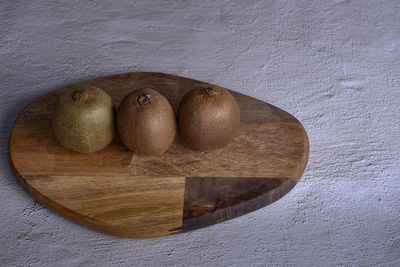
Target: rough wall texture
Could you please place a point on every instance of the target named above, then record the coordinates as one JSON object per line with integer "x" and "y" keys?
{"x": 332, "y": 64}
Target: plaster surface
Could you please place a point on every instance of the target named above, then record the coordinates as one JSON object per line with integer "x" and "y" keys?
{"x": 335, "y": 65}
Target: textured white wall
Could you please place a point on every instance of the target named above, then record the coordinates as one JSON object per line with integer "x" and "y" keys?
{"x": 335, "y": 65}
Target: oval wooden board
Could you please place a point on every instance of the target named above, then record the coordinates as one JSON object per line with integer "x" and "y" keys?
{"x": 119, "y": 193}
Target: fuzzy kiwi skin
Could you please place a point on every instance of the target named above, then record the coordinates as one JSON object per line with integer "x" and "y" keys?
{"x": 208, "y": 118}
{"x": 83, "y": 119}
{"x": 146, "y": 125}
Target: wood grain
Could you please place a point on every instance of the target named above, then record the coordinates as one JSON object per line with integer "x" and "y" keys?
{"x": 119, "y": 193}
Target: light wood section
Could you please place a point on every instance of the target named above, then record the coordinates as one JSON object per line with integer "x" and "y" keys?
{"x": 35, "y": 151}
{"x": 130, "y": 206}
{"x": 36, "y": 139}
{"x": 116, "y": 192}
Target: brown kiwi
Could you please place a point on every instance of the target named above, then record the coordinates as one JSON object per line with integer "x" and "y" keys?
{"x": 83, "y": 119}
{"x": 208, "y": 118}
{"x": 146, "y": 122}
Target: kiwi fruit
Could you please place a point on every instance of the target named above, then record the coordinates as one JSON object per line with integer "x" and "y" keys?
{"x": 146, "y": 122}
{"x": 208, "y": 118}
{"x": 83, "y": 119}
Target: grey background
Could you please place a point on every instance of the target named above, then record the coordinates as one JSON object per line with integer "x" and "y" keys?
{"x": 335, "y": 65}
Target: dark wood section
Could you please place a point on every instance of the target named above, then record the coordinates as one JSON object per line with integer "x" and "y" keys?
{"x": 212, "y": 200}
{"x": 119, "y": 193}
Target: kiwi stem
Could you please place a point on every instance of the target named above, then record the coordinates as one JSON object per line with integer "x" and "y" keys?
{"x": 144, "y": 99}
{"x": 79, "y": 96}
{"x": 208, "y": 91}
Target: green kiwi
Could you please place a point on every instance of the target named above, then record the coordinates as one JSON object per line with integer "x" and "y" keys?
{"x": 146, "y": 122}
{"x": 83, "y": 119}
{"x": 208, "y": 118}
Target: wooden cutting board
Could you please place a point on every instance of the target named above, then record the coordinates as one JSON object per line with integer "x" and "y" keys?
{"x": 117, "y": 192}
